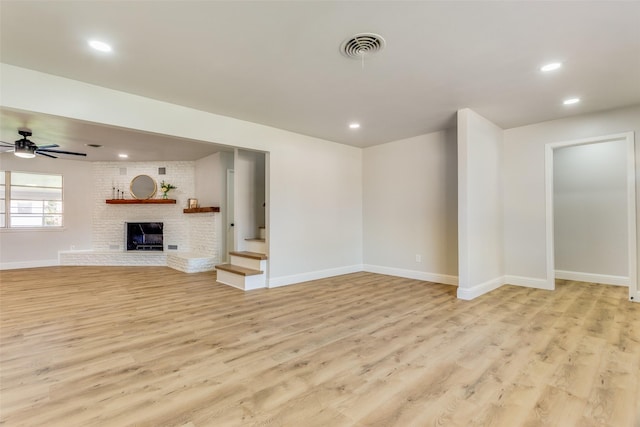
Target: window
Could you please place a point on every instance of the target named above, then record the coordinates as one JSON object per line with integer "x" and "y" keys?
{"x": 30, "y": 200}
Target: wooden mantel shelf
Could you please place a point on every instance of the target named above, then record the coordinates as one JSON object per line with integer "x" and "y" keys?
{"x": 201, "y": 210}
{"x": 141, "y": 202}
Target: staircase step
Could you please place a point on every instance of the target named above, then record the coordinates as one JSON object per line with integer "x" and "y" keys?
{"x": 255, "y": 245}
{"x": 247, "y": 254}
{"x": 242, "y": 271}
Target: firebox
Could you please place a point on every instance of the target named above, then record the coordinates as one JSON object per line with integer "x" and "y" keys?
{"x": 144, "y": 236}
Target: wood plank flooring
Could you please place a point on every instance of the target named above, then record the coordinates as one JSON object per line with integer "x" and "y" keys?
{"x": 151, "y": 346}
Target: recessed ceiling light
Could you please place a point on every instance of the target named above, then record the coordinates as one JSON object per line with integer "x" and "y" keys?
{"x": 354, "y": 125}
{"x": 571, "y": 101}
{"x": 101, "y": 46}
{"x": 551, "y": 66}
{"x": 123, "y": 156}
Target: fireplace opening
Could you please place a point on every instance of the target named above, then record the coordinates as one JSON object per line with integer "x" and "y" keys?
{"x": 144, "y": 236}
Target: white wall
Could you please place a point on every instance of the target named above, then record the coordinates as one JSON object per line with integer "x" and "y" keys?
{"x": 590, "y": 209}
{"x": 249, "y": 195}
{"x": 410, "y": 207}
{"x": 211, "y": 177}
{"x": 524, "y": 182}
{"x": 211, "y": 190}
{"x": 315, "y": 185}
{"x": 260, "y": 205}
{"x": 207, "y": 181}
{"x": 480, "y": 202}
{"x": 22, "y": 248}
{"x": 316, "y": 210}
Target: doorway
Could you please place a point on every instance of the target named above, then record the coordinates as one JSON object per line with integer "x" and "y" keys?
{"x": 626, "y": 203}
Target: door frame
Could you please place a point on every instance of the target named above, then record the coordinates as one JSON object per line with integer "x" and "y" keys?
{"x": 632, "y": 273}
{"x": 230, "y": 230}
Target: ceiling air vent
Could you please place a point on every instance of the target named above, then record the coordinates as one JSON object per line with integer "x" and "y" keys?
{"x": 361, "y": 45}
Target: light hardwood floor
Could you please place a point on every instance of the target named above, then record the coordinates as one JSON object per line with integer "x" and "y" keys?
{"x": 151, "y": 346}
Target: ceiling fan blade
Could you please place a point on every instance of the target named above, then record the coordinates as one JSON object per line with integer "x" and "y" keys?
{"x": 45, "y": 154}
{"x": 38, "y": 150}
{"x": 48, "y": 146}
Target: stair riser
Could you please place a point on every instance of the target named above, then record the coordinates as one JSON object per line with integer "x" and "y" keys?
{"x": 246, "y": 283}
{"x": 253, "y": 246}
{"x": 254, "y": 264}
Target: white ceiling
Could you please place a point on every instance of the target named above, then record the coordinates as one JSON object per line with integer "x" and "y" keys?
{"x": 75, "y": 135}
{"x": 278, "y": 63}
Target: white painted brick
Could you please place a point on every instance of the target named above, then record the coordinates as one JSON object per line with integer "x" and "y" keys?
{"x": 190, "y": 262}
{"x": 108, "y": 220}
{"x": 190, "y": 232}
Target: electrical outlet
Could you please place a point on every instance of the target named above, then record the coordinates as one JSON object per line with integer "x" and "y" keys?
{"x": 418, "y": 258}
{"x": 172, "y": 247}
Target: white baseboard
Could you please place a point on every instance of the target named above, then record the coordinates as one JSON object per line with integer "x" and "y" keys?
{"x": 113, "y": 258}
{"x": 481, "y": 289}
{"x": 529, "y": 282}
{"x": 412, "y": 274}
{"x": 593, "y": 278}
{"x": 275, "y": 282}
{"x": 29, "y": 264}
{"x": 634, "y": 298}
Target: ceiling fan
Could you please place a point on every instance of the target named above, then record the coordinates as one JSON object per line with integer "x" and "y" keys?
{"x": 27, "y": 149}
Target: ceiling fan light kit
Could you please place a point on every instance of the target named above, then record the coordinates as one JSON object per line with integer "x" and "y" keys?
{"x": 24, "y": 151}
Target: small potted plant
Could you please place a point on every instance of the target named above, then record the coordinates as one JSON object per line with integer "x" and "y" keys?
{"x": 165, "y": 187}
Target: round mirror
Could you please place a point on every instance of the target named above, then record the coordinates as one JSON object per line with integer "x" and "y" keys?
{"x": 143, "y": 187}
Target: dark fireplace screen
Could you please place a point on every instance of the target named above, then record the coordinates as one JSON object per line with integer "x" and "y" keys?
{"x": 144, "y": 236}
